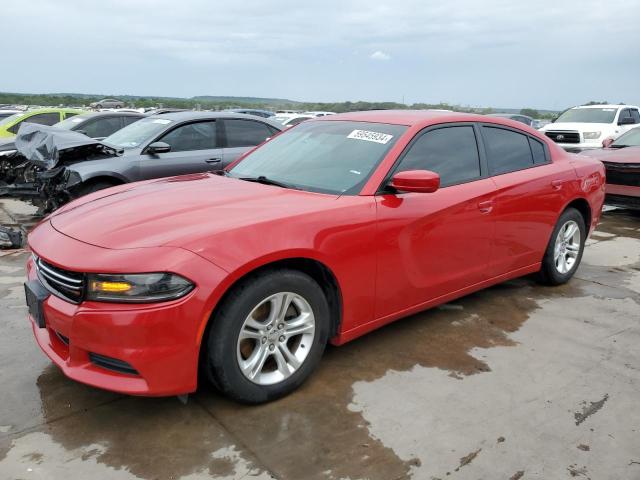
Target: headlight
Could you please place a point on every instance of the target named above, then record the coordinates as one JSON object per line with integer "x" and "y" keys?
{"x": 137, "y": 288}
{"x": 6, "y": 153}
{"x": 592, "y": 135}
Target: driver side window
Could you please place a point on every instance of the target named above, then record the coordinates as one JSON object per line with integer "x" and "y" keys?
{"x": 451, "y": 152}
{"x": 192, "y": 136}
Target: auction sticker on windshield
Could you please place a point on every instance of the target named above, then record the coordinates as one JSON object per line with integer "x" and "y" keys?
{"x": 370, "y": 136}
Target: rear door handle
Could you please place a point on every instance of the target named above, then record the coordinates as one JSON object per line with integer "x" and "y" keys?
{"x": 557, "y": 184}
{"x": 486, "y": 207}
{"x": 213, "y": 160}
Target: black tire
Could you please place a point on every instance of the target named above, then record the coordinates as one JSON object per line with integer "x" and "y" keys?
{"x": 93, "y": 187}
{"x": 221, "y": 361}
{"x": 549, "y": 274}
{"x": 99, "y": 106}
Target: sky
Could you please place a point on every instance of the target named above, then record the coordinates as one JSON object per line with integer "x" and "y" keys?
{"x": 546, "y": 54}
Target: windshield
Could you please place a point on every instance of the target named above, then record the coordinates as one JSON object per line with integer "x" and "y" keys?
{"x": 134, "y": 135}
{"x": 10, "y": 119}
{"x": 629, "y": 139}
{"x": 330, "y": 157}
{"x": 71, "y": 122}
{"x": 588, "y": 115}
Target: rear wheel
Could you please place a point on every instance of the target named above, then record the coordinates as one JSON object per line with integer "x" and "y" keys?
{"x": 268, "y": 336}
{"x": 564, "y": 252}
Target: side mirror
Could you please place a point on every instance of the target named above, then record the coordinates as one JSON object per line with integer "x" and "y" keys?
{"x": 606, "y": 142}
{"x": 418, "y": 181}
{"x": 158, "y": 147}
{"x": 626, "y": 121}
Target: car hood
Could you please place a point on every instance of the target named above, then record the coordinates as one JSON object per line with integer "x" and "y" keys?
{"x": 179, "y": 211}
{"x": 615, "y": 155}
{"x": 582, "y": 127}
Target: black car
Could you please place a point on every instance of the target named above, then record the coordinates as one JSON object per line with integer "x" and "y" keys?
{"x": 99, "y": 125}
{"x": 514, "y": 116}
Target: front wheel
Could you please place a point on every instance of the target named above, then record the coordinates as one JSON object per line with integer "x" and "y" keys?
{"x": 565, "y": 248}
{"x": 268, "y": 336}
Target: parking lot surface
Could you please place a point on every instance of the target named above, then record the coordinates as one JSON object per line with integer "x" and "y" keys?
{"x": 515, "y": 382}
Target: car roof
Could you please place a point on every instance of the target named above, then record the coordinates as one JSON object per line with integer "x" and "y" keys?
{"x": 191, "y": 115}
{"x": 54, "y": 109}
{"x": 404, "y": 117}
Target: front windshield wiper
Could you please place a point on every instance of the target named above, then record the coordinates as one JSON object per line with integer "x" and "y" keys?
{"x": 618, "y": 146}
{"x": 266, "y": 181}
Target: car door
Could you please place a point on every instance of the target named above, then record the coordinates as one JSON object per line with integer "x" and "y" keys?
{"x": 194, "y": 148}
{"x": 432, "y": 244}
{"x": 241, "y": 135}
{"x": 529, "y": 196}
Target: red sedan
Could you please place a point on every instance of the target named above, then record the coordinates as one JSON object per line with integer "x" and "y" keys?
{"x": 621, "y": 160}
{"x": 322, "y": 234}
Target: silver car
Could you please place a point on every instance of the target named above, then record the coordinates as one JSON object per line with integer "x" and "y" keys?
{"x": 71, "y": 165}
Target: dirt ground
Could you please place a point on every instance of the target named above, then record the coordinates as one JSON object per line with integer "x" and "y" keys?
{"x": 516, "y": 382}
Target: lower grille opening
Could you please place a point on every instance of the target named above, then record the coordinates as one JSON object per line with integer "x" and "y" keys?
{"x": 112, "y": 364}
{"x": 62, "y": 338}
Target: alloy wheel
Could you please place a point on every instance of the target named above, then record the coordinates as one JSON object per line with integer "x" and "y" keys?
{"x": 567, "y": 247}
{"x": 275, "y": 338}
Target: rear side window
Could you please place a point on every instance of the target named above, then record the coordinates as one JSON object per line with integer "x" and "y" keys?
{"x": 507, "y": 151}
{"x": 538, "y": 152}
{"x": 70, "y": 114}
{"x": 192, "y": 136}
{"x": 451, "y": 152}
{"x": 102, "y": 127}
{"x": 245, "y": 133}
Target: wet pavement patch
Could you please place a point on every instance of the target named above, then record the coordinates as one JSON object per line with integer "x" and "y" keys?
{"x": 590, "y": 409}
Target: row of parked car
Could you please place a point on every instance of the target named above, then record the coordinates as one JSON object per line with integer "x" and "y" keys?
{"x": 82, "y": 152}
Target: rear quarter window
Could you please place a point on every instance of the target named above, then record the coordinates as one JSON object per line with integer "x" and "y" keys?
{"x": 507, "y": 150}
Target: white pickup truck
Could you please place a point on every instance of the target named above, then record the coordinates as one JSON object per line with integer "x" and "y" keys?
{"x": 585, "y": 127}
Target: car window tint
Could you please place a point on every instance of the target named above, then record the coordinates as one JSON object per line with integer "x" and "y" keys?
{"x": 40, "y": 119}
{"x": 245, "y": 133}
{"x": 537, "y": 149}
{"x": 635, "y": 115}
{"x": 452, "y": 152}
{"x": 127, "y": 120}
{"x": 102, "y": 127}
{"x": 70, "y": 114}
{"x": 507, "y": 150}
{"x": 193, "y": 136}
{"x": 44, "y": 118}
{"x": 626, "y": 113}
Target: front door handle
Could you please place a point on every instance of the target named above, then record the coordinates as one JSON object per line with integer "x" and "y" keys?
{"x": 486, "y": 207}
{"x": 213, "y": 160}
{"x": 557, "y": 184}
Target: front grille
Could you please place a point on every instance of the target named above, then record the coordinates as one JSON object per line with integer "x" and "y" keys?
{"x": 623, "y": 173}
{"x": 112, "y": 364}
{"x": 564, "y": 136}
{"x": 62, "y": 283}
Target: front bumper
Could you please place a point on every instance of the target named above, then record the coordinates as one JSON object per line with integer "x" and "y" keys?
{"x": 159, "y": 342}
{"x": 579, "y": 147}
{"x": 625, "y": 196}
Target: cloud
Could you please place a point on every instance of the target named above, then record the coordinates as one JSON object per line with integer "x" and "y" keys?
{"x": 496, "y": 52}
{"x": 379, "y": 55}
